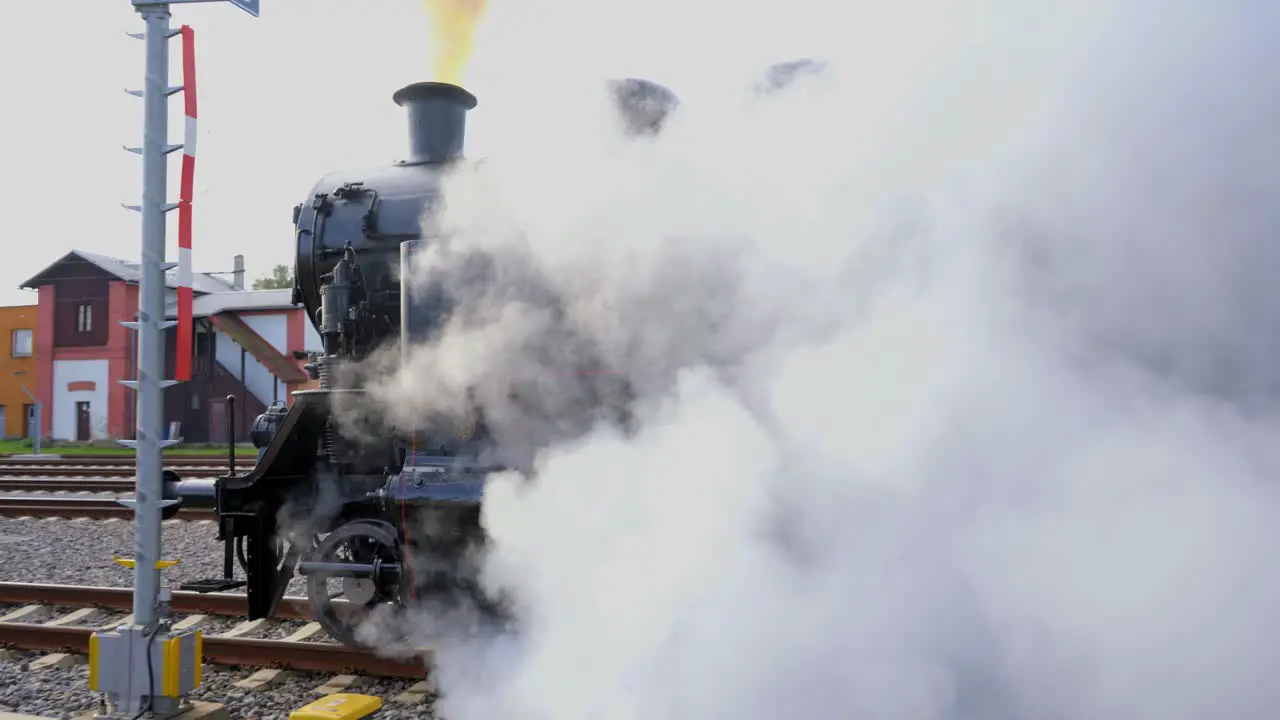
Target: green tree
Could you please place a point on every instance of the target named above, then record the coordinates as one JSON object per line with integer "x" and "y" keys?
{"x": 281, "y": 277}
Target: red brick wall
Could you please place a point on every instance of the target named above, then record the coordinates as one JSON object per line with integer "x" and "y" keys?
{"x": 120, "y": 339}
{"x": 45, "y": 306}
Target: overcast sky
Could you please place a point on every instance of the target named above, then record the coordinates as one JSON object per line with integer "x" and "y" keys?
{"x": 288, "y": 96}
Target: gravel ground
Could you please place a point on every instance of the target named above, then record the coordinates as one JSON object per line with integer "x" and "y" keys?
{"x": 78, "y": 552}
{"x": 64, "y": 693}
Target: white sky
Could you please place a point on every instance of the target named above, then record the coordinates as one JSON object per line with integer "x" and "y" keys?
{"x": 284, "y": 98}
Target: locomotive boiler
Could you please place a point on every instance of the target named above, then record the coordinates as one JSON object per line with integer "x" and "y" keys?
{"x": 376, "y": 518}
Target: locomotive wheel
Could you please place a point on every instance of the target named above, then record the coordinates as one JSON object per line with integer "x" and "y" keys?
{"x": 356, "y": 542}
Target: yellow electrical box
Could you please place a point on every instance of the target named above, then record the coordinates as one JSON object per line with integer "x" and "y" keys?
{"x": 340, "y": 706}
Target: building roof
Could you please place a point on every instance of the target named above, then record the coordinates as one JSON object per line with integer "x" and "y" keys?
{"x": 234, "y": 301}
{"x": 131, "y": 272}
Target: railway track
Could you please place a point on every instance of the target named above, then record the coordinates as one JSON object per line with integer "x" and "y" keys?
{"x": 78, "y": 507}
{"x": 168, "y": 460}
{"x": 105, "y": 471}
{"x": 219, "y": 650}
{"x": 121, "y": 599}
{"x": 68, "y": 635}
{"x": 99, "y": 485}
{"x": 112, "y": 467}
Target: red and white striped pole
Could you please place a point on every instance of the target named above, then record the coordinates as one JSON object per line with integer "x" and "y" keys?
{"x": 185, "y": 296}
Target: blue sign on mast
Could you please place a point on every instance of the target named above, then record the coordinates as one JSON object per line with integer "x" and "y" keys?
{"x": 249, "y": 6}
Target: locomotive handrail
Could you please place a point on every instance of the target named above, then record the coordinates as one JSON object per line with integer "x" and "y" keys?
{"x": 231, "y": 435}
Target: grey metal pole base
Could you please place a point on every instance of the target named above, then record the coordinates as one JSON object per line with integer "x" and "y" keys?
{"x": 145, "y": 669}
{"x": 119, "y": 669}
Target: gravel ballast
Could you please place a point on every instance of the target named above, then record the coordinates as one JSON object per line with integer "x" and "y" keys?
{"x": 64, "y": 692}
{"x": 79, "y": 552}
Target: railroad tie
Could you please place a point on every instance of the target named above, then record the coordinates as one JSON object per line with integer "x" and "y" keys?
{"x": 305, "y": 632}
{"x": 204, "y": 711}
{"x": 416, "y": 693}
{"x": 243, "y": 628}
{"x": 190, "y": 622}
{"x": 57, "y": 660}
{"x": 23, "y": 612}
{"x": 264, "y": 678}
{"x": 268, "y": 677}
{"x": 197, "y": 709}
{"x": 76, "y": 617}
{"x": 62, "y": 660}
{"x": 342, "y": 683}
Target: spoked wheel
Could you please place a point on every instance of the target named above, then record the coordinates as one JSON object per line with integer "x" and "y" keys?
{"x": 343, "y": 603}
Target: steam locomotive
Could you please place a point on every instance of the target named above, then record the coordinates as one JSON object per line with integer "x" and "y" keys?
{"x": 376, "y": 518}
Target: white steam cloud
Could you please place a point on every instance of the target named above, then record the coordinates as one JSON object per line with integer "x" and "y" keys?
{"x": 955, "y": 373}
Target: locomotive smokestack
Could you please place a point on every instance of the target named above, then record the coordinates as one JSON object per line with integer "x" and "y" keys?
{"x": 643, "y": 104}
{"x": 437, "y": 120}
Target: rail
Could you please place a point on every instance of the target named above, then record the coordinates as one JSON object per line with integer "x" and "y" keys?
{"x": 122, "y": 460}
{"x": 305, "y": 656}
{"x": 68, "y": 485}
{"x": 121, "y": 599}
{"x": 120, "y": 471}
{"x": 96, "y": 508}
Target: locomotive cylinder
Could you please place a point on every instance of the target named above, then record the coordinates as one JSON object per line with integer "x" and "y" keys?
{"x": 199, "y": 493}
{"x": 382, "y": 571}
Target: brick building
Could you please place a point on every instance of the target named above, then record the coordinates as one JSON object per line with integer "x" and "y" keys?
{"x": 246, "y": 343}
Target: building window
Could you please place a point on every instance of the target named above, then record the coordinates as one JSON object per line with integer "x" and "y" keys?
{"x": 22, "y": 343}
{"x": 84, "y": 318}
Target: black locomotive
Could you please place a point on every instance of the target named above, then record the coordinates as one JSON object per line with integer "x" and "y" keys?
{"x": 386, "y": 513}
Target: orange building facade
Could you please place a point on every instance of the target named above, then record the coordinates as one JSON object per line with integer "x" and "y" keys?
{"x": 17, "y": 367}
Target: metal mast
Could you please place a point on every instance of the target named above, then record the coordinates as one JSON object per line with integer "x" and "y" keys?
{"x": 148, "y": 665}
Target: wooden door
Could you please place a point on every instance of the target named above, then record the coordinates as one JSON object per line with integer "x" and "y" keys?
{"x": 28, "y": 416}
{"x": 217, "y": 420}
{"x": 82, "y": 421}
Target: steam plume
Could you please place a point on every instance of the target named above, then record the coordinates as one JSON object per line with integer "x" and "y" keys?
{"x": 953, "y": 370}
{"x": 454, "y": 25}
